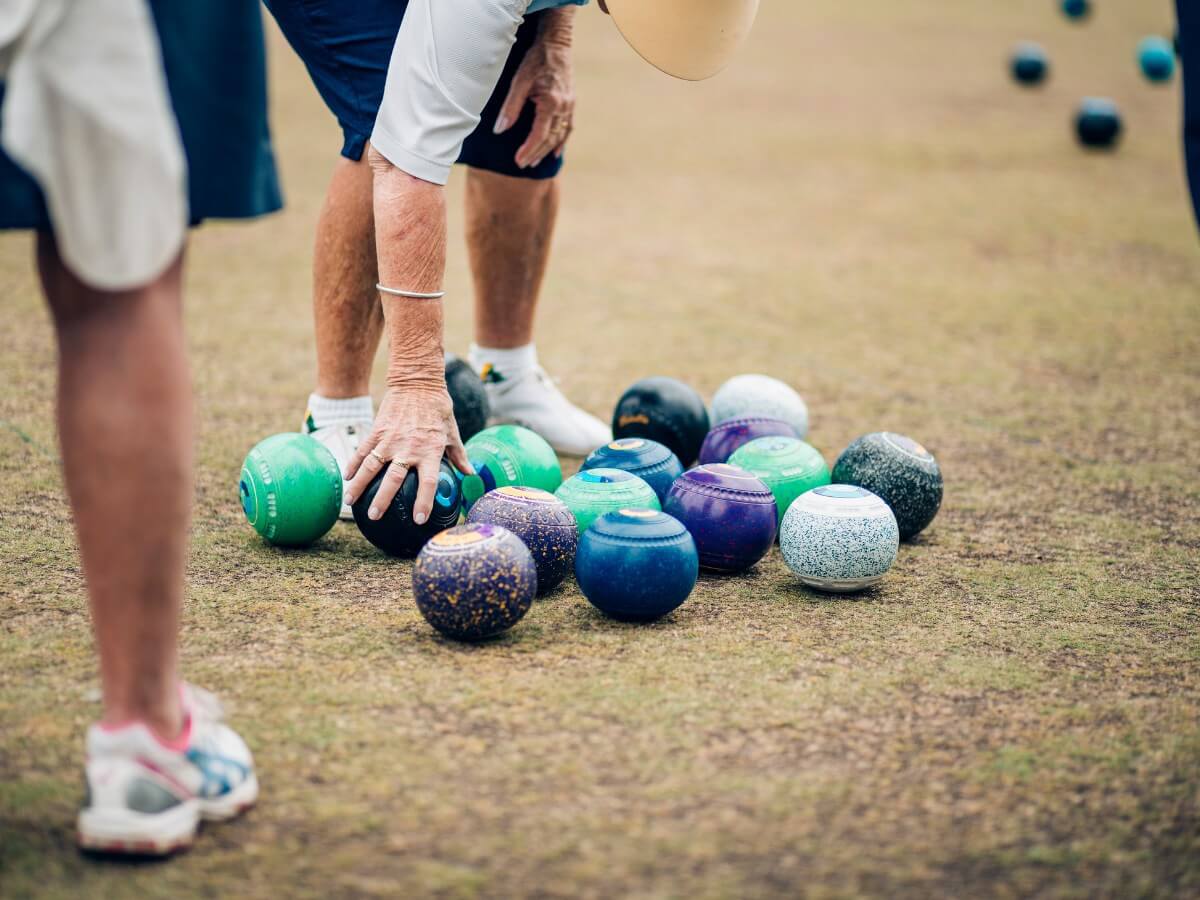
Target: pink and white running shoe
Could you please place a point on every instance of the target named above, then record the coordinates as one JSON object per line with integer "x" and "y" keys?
{"x": 147, "y": 796}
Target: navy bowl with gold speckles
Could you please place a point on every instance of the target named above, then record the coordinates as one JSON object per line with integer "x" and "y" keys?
{"x": 474, "y": 581}
{"x": 543, "y": 523}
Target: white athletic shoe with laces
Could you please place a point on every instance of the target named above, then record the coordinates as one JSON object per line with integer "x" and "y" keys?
{"x": 342, "y": 441}
{"x": 146, "y": 796}
{"x": 534, "y": 401}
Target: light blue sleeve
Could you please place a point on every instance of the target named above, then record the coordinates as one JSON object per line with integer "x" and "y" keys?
{"x": 539, "y": 5}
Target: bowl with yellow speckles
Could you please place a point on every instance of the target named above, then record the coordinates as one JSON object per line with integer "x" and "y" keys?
{"x": 474, "y": 581}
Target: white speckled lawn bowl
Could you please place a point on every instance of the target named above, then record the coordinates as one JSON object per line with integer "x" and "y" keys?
{"x": 839, "y": 538}
{"x": 760, "y": 395}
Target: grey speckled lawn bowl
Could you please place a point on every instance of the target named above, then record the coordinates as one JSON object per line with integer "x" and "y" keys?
{"x": 899, "y": 470}
{"x": 839, "y": 538}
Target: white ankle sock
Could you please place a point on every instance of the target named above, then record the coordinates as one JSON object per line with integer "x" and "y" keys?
{"x": 323, "y": 411}
{"x": 506, "y": 364}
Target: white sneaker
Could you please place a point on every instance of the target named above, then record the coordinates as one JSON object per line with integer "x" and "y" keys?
{"x": 534, "y": 401}
{"x": 147, "y": 797}
{"x": 342, "y": 441}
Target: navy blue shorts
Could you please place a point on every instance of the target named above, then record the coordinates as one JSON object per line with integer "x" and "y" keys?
{"x": 347, "y": 45}
{"x": 215, "y": 66}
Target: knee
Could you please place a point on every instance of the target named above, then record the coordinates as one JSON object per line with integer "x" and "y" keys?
{"x": 385, "y": 171}
{"x": 509, "y": 192}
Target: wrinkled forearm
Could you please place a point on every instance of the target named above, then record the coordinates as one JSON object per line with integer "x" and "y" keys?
{"x": 410, "y": 238}
{"x": 558, "y": 26}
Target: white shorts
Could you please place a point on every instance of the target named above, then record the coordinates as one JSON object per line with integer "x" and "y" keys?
{"x": 87, "y": 114}
{"x": 448, "y": 56}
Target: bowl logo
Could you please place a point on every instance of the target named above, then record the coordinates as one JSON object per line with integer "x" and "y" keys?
{"x": 464, "y": 536}
{"x": 907, "y": 445}
{"x": 524, "y": 493}
{"x": 592, "y": 477}
{"x": 840, "y": 491}
{"x": 779, "y": 445}
{"x": 627, "y": 444}
{"x": 447, "y": 495}
{"x": 641, "y": 513}
{"x": 248, "y": 497}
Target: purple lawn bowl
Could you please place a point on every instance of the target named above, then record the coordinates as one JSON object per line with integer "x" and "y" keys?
{"x": 730, "y": 513}
{"x": 720, "y": 443}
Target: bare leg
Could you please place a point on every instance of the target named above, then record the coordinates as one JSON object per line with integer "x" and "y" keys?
{"x": 125, "y": 424}
{"x": 510, "y": 223}
{"x": 346, "y": 312}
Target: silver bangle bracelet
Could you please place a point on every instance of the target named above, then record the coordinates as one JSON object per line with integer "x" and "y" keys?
{"x": 411, "y": 295}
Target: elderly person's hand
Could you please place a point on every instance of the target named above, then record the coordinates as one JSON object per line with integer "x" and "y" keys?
{"x": 414, "y": 428}
{"x": 544, "y": 78}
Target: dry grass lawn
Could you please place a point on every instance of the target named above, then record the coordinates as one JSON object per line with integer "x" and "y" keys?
{"x": 865, "y": 206}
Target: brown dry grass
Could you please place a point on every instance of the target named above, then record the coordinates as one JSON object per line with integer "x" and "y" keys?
{"x": 864, "y": 206}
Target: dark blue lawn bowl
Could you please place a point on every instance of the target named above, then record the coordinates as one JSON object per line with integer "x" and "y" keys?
{"x": 636, "y": 565}
{"x": 649, "y": 460}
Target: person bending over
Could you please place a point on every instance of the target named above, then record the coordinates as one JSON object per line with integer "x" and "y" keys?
{"x": 513, "y": 155}
{"x": 448, "y": 58}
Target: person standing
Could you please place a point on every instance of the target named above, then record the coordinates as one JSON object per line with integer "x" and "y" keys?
{"x": 1188, "y": 35}
{"x": 123, "y": 122}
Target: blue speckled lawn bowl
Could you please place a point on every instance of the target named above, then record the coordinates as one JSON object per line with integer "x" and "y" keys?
{"x": 839, "y": 538}
{"x": 636, "y": 565}
{"x": 474, "y": 581}
{"x": 726, "y": 437}
{"x": 649, "y": 460}
{"x": 543, "y": 523}
{"x": 729, "y": 512}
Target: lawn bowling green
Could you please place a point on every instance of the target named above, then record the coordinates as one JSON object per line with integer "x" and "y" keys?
{"x": 864, "y": 206}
